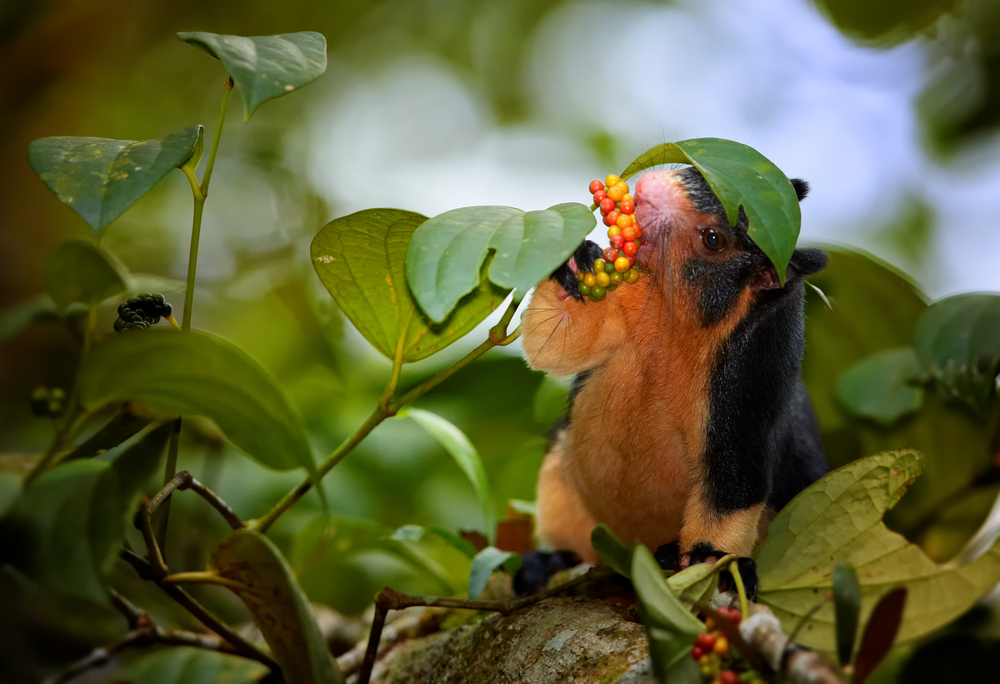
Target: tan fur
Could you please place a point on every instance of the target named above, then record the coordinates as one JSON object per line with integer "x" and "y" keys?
{"x": 634, "y": 445}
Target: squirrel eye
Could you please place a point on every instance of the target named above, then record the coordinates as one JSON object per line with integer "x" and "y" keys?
{"x": 713, "y": 239}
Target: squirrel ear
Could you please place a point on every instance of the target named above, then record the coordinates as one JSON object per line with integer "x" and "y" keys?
{"x": 801, "y": 188}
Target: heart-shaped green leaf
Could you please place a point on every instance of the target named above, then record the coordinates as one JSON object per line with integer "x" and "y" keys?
{"x": 265, "y": 67}
{"x": 882, "y": 387}
{"x": 361, "y": 260}
{"x": 838, "y": 519}
{"x": 63, "y": 529}
{"x": 458, "y": 445}
{"x": 958, "y": 342}
{"x": 615, "y": 553}
{"x": 447, "y": 253}
{"x": 186, "y": 665}
{"x": 258, "y": 573}
{"x": 740, "y": 176}
{"x": 100, "y": 178}
{"x": 194, "y": 373}
{"x": 77, "y": 271}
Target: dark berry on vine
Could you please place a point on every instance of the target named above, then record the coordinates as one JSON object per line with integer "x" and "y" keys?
{"x": 166, "y": 310}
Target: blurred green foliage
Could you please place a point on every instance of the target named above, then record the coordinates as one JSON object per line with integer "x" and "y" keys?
{"x": 117, "y": 70}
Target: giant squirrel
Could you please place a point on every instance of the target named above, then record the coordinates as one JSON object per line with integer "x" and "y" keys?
{"x": 688, "y": 425}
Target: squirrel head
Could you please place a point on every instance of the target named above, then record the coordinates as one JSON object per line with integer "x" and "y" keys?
{"x": 688, "y": 243}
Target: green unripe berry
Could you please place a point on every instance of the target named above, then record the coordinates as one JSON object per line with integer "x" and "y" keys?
{"x": 597, "y": 293}
{"x": 583, "y": 289}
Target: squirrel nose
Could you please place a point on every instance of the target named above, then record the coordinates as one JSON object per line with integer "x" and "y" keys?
{"x": 658, "y": 194}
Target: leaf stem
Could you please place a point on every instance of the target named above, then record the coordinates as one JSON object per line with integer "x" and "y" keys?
{"x": 203, "y": 577}
{"x": 169, "y": 469}
{"x": 734, "y": 570}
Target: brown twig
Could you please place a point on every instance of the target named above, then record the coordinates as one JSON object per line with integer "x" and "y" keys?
{"x": 240, "y": 645}
{"x": 143, "y": 632}
{"x": 184, "y": 480}
{"x": 389, "y": 599}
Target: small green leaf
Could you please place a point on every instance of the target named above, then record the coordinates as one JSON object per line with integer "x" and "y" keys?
{"x": 194, "y": 373}
{"x": 100, "y": 178}
{"x": 485, "y": 562}
{"x": 416, "y": 533}
{"x": 697, "y": 582}
{"x": 63, "y": 530}
{"x": 524, "y": 507}
{"x": 266, "y": 584}
{"x": 958, "y": 342}
{"x": 881, "y": 386}
{"x": 116, "y": 431}
{"x": 265, "y": 67}
{"x": 880, "y": 633}
{"x": 739, "y": 176}
{"x": 660, "y": 604}
{"x": 186, "y": 665}
{"x": 884, "y": 24}
{"x": 458, "y": 445}
{"x": 447, "y": 254}
{"x": 361, "y": 259}
{"x": 847, "y": 607}
{"x": 616, "y": 554}
{"x": 838, "y": 519}
{"x": 77, "y": 271}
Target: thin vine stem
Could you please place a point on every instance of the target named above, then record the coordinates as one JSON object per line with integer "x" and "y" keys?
{"x": 388, "y": 407}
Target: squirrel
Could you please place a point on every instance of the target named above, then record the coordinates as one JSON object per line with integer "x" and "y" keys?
{"x": 688, "y": 426}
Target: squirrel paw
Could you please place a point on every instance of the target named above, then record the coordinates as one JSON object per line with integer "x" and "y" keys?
{"x": 582, "y": 260}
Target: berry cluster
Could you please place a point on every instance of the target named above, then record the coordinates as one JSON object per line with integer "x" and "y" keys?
{"x": 141, "y": 312}
{"x": 617, "y": 264}
{"x": 716, "y": 660}
{"x": 48, "y": 403}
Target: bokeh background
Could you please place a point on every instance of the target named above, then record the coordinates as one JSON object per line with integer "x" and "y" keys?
{"x": 891, "y": 112}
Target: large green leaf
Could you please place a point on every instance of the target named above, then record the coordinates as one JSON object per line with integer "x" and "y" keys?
{"x": 958, "y": 342}
{"x": 884, "y": 23}
{"x": 740, "y": 176}
{"x": 882, "y": 386}
{"x": 446, "y": 256}
{"x": 63, "y": 530}
{"x": 361, "y": 259}
{"x": 100, "y": 178}
{"x": 78, "y": 271}
{"x": 186, "y": 665}
{"x": 265, "y": 67}
{"x": 461, "y": 449}
{"x": 261, "y": 577}
{"x": 838, "y": 519}
{"x": 195, "y": 373}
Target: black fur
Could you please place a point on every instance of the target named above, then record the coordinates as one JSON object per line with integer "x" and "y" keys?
{"x": 537, "y": 567}
{"x": 801, "y": 188}
{"x": 585, "y": 255}
{"x": 578, "y": 382}
{"x": 668, "y": 556}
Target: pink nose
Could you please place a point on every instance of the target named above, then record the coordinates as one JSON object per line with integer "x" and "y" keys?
{"x": 658, "y": 194}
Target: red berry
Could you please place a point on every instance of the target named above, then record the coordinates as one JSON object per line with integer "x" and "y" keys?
{"x": 630, "y": 249}
{"x": 610, "y": 254}
{"x": 599, "y": 196}
{"x": 697, "y": 652}
{"x": 607, "y": 205}
{"x": 631, "y": 260}
{"x": 613, "y": 217}
{"x": 728, "y": 677}
{"x": 627, "y": 207}
{"x": 735, "y": 615}
{"x": 596, "y": 185}
{"x": 706, "y": 640}
{"x": 607, "y": 222}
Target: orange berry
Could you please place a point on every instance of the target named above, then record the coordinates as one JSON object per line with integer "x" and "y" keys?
{"x": 612, "y": 218}
{"x": 627, "y": 207}
{"x": 614, "y": 230}
{"x": 630, "y": 249}
{"x": 611, "y": 180}
{"x": 624, "y": 186}
{"x": 721, "y": 646}
{"x": 628, "y": 198}
{"x": 628, "y": 232}
{"x": 622, "y": 264}
{"x": 615, "y": 192}
{"x": 589, "y": 280}
{"x": 602, "y": 279}
{"x": 624, "y": 221}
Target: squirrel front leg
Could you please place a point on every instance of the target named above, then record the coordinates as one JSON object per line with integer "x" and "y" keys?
{"x": 562, "y": 333}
